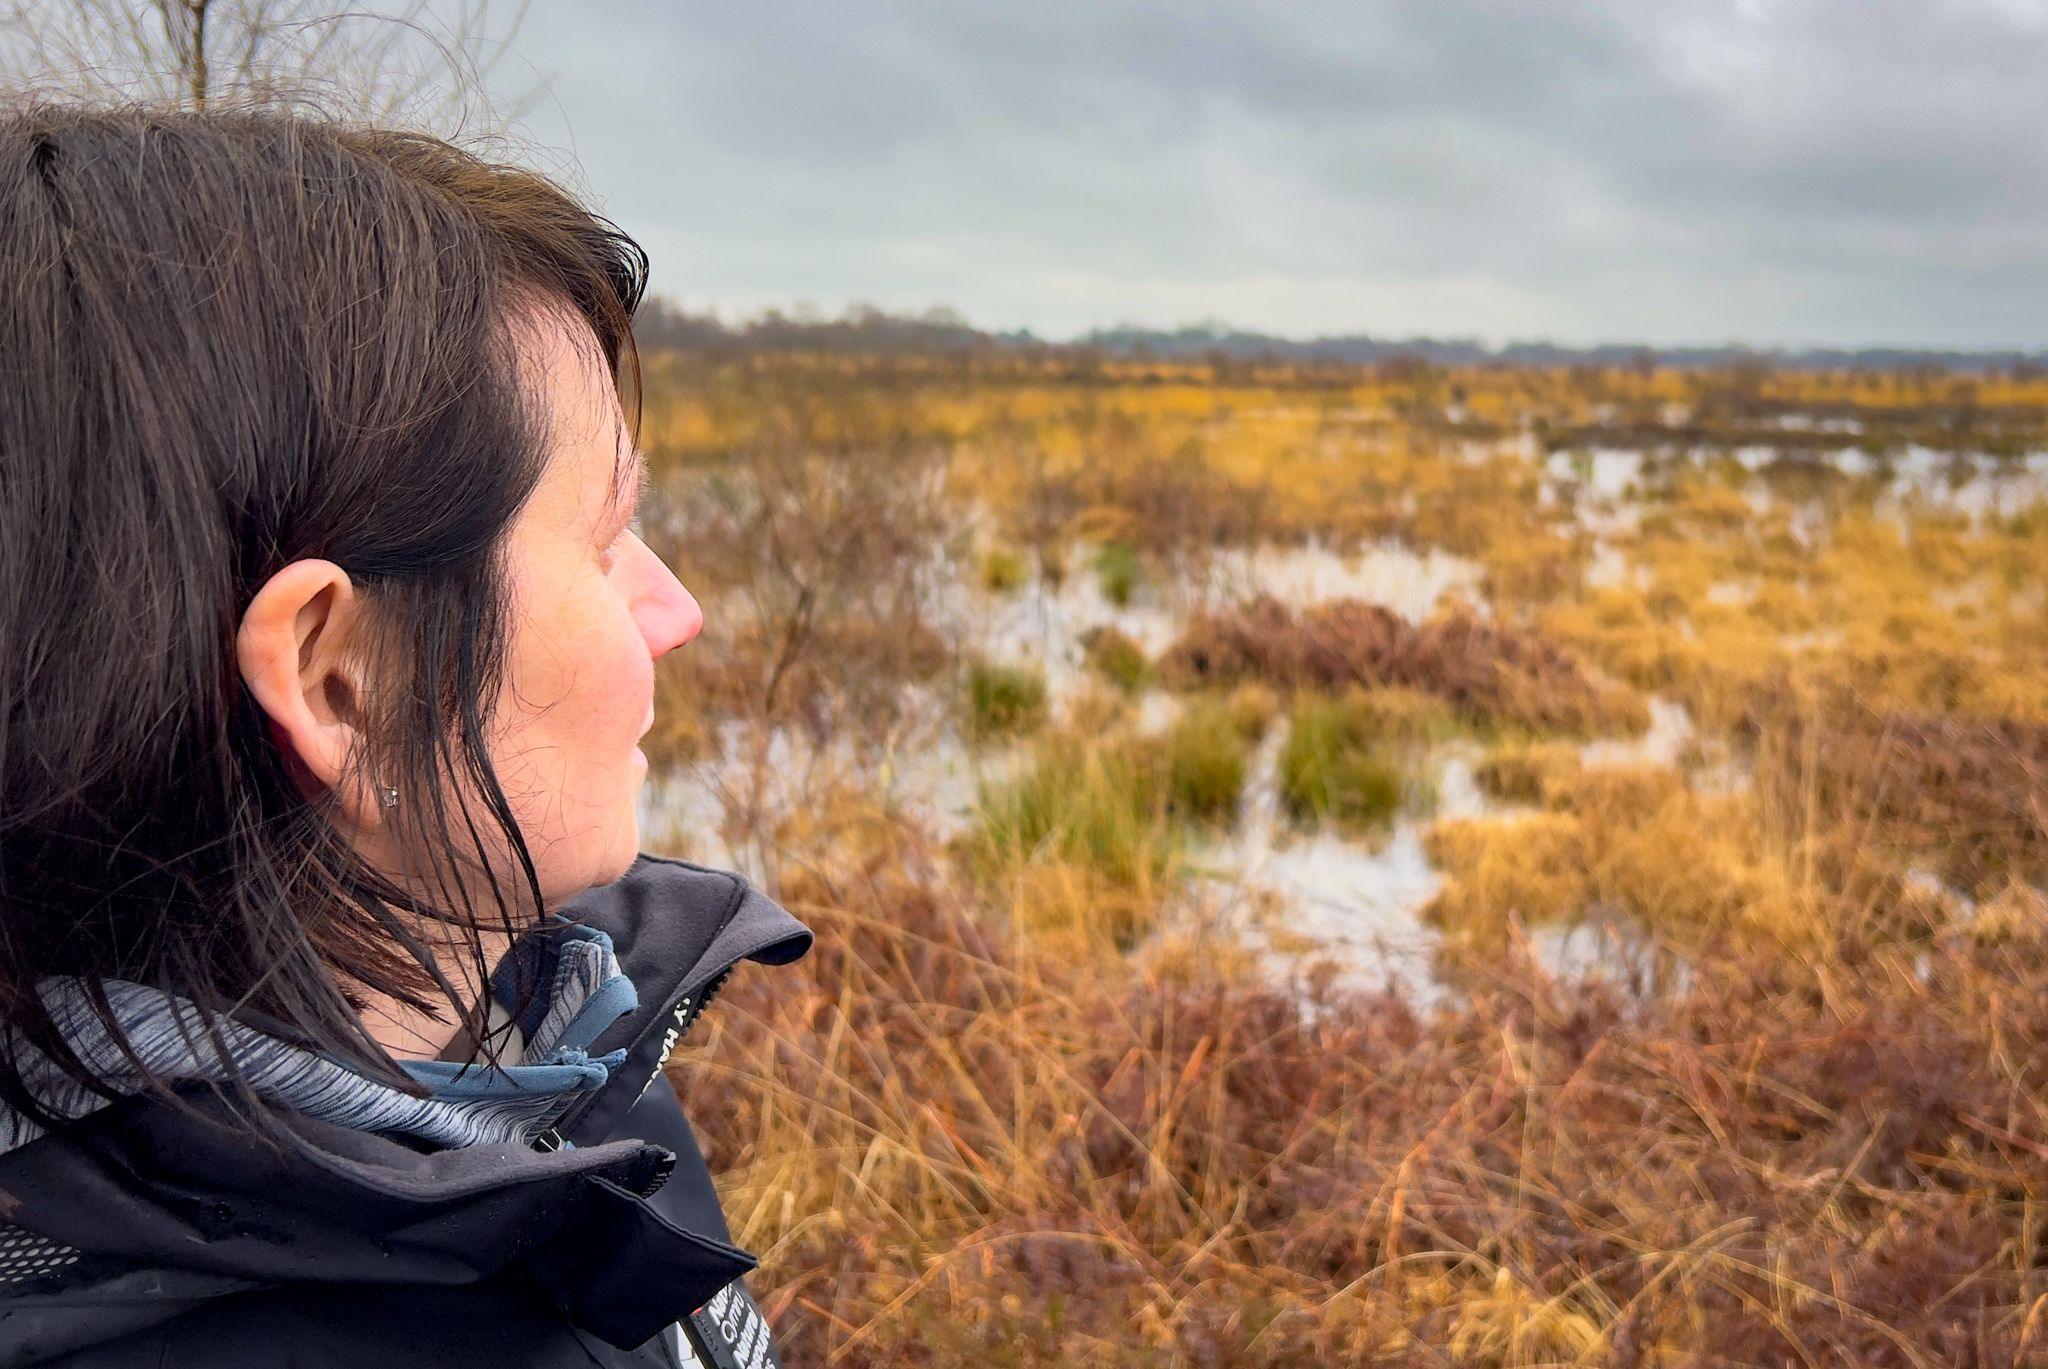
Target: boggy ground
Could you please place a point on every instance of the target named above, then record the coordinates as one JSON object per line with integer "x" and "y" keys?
{"x": 1743, "y": 672}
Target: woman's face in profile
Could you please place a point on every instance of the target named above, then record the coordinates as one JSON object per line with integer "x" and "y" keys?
{"x": 592, "y": 609}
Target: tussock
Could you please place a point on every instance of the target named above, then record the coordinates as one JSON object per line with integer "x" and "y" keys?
{"x": 1489, "y": 673}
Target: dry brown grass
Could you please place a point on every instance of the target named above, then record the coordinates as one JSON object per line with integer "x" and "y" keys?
{"x": 1964, "y": 798}
{"x": 1490, "y": 673}
{"x": 952, "y": 1149}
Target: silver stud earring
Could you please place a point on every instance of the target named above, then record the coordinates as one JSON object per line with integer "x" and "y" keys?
{"x": 390, "y": 793}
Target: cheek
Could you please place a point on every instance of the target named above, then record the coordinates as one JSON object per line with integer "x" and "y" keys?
{"x": 579, "y": 681}
{"x": 607, "y": 679}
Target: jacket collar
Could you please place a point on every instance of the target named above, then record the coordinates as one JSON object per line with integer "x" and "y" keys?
{"x": 675, "y": 962}
{"x": 204, "y": 1208}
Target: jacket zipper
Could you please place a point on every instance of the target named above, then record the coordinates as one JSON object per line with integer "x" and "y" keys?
{"x": 686, "y": 1012}
{"x": 665, "y": 1160}
{"x": 664, "y": 1164}
{"x": 704, "y": 998}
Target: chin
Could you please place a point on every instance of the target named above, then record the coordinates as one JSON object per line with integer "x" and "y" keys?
{"x": 601, "y": 845}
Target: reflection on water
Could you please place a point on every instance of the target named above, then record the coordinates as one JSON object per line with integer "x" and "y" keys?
{"x": 1312, "y": 893}
{"x": 1389, "y": 574}
{"x": 1606, "y": 486}
{"x": 1662, "y": 744}
{"x": 1318, "y": 894}
{"x": 1973, "y": 485}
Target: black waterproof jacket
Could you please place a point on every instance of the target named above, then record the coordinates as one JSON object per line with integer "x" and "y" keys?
{"x": 140, "y": 1238}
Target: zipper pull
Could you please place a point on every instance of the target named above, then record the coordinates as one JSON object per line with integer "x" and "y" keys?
{"x": 660, "y": 1163}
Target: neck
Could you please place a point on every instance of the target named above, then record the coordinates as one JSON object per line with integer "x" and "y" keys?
{"x": 407, "y": 1033}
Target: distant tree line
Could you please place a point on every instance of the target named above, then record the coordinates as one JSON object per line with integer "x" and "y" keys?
{"x": 862, "y": 329}
{"x": 866, "y": 330}
{"x": 1363, "y": 348}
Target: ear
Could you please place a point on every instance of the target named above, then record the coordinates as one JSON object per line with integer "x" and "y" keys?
{"x": 292, "y": 650}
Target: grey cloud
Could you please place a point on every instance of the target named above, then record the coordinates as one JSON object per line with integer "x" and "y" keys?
{"x": 1789, "y": 171}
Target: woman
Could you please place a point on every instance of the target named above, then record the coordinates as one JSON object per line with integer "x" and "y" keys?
{"x": 335, "y": 993}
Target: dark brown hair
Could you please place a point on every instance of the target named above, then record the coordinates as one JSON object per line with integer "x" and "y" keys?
{"x": 230, "y": 341}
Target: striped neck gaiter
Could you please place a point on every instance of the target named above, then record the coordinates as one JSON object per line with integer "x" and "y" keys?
{"x": 582, "y": 992}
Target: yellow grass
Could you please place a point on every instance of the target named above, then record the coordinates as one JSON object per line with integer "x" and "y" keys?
{"x": 1033, "y": 1101}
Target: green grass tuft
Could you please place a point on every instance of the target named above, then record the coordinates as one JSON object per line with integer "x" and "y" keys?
{"x": 1003, "y": 571}
{"x": 1003, "y": 700}
{"x": 1113, "y": 655}
{"x": 1101, "y": 808}
{"x": 1206, "y": 760}
{"x": 1343, "y": 759}
{"x": 1117, "y": 566}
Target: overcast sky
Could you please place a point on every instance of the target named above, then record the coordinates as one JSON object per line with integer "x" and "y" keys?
{"x": 1670, "y": 171}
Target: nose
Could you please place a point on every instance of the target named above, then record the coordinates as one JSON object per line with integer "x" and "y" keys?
{"x": 690, "y": 612}
{"x": 671, "y": 618}
{"x": 667, "y": 613}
